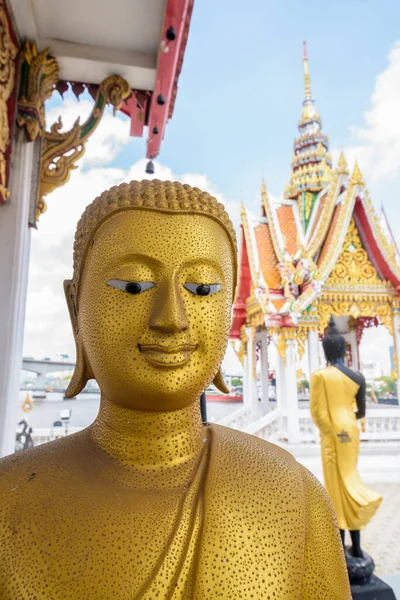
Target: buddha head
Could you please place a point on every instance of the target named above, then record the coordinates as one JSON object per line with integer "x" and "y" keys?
{"x": 150, "y": 300}
{"x": 334, "y": 343}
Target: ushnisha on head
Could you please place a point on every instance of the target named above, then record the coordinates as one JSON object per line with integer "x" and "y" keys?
{"x": 155, "y": 269}
{"x": 334, "y": 343}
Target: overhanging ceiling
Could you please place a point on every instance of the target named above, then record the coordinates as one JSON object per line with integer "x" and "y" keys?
{"x": 96, "y": 38}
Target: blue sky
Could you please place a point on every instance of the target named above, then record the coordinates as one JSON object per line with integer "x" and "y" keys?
{"x": 239, "y": 100}
{"x": 241, "y": 88}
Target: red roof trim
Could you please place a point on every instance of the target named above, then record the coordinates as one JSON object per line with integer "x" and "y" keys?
{"x": 244, "y": 288}
{"x": 372, "y": 247}
{"x": 177, "y": 15}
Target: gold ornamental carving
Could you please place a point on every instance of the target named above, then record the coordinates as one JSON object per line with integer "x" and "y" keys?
{"x": 39, "y": 75}
{"x": 240, "y": 350}
{"x": 283, "y": 335}
{"x": 353, "y": 265}
{"x": 61, "y": 150}
{"x": 8, "y": 54}
{"x": 381, "y": 308}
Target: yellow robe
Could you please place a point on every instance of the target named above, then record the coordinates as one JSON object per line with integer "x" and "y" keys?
{"x": 252, "y": 523}
{"x": 332, "y": 405}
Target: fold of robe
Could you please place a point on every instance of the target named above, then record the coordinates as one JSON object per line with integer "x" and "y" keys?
{"x": 332, "y": 406}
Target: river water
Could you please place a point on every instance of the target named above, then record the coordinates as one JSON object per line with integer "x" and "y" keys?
{"x": 84, "y": 409}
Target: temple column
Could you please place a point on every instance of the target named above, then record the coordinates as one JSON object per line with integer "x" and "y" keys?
{"x": 287, "y": 399}
{"x": 352, "y": 340}
{"x": 396, "y": 346}
{"x": 251, "y": 388}
{"x": 313, "y": 365}
{"x": 313, "y": 351}
{"x": 14, "y": 265}
{"x": 262, "y": 339}
{"x": 292, "y": 401}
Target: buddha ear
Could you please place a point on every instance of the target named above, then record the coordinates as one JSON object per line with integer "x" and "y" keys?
{"x": 220, "y": 383}
{"x": 82, "y": 372}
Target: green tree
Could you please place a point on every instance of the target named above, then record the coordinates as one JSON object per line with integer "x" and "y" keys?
{"x": 387, "y": 385}
{"x": 303, "y": 385}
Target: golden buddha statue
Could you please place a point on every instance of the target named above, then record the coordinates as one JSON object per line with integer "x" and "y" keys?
{"x": 337, "y": 400}
{"x": 148, "y": 502}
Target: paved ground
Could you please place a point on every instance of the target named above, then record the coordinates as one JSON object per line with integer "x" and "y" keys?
{"x": 380, "y": 469}
{"x": 381, "y": 539}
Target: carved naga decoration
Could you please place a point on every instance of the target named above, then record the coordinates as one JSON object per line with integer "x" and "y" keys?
{"x": 297, "y": 271}
{"x": 8, "y": 54}
{"x": 60, "y": 150}
{"x": 39, "y": 75}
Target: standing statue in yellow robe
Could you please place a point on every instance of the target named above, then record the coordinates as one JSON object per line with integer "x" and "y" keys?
{"x": 149, "y": 503}
{"x": 337, "y": 400}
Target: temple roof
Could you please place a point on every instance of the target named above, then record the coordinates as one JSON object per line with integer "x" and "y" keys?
{"x": 342, "y": 246}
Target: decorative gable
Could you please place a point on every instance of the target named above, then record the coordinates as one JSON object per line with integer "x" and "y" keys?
{"x": 353, "y": 266}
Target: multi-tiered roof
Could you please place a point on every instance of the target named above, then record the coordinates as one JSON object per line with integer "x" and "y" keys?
{"x": 323, "y": 240}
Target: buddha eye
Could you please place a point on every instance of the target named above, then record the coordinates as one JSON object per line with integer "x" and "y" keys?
{"x": 202, "y": 289}
{"x": 131, "y": 287}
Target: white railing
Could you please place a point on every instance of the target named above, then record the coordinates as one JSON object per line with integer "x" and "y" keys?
{"x": 267, "y": 428}
{"x": 238, "y": 419}
{"x": 308, "y": 431}
{"x": 381, "y": 425}
{"x": 44, "y": 435}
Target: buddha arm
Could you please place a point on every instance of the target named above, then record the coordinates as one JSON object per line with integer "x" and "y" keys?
{"x": 318, "y": 403}
{"x": 360, "y": 399}
{"x": 325, "y": 573}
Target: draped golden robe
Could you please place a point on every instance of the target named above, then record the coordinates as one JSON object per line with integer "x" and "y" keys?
{"x": 332, "y": 406}
{"x": 250, "y": 523}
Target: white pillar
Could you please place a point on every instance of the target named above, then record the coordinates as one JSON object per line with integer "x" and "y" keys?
{"x": 14, "y": 265}
{"x": 280, "y": 393}
{"x": 262, "y": 338}
{"x": 396, "y": 343}
{"x": 351, "y": 338}
{"x": 286, "y": 391}
{"x": 246, "y": 398}
{"x": 252, "y": 399}
{"x": 292, "y": 402}
{"x": 314, "y": 365}
{"x": 313, "y": 352}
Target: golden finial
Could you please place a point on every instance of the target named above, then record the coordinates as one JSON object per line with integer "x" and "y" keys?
{"x": 356, "y": 176}
{"x": 307, "y": 85}
{"x": 263, "y": 186}
{"x": 342, "y": 167}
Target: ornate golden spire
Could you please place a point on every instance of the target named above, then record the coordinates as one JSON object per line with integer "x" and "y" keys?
{"x": 310, "y": 113}
{"x": 342, "y": 167}
{"x": 307, "y": 85}
{"x": 356, "y": 176}
{"x": 263, "y": 186}
{"x": 311, "y": 163}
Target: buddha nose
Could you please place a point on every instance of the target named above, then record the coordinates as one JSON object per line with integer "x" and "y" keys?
{"x": 169, "y": 314}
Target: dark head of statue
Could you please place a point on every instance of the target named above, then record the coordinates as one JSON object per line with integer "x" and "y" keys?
{"x": 334, "y": 343}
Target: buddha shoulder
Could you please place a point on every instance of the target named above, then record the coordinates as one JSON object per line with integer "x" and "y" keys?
{"x": 263, "y": 469}
{"x": 40, "y": 468}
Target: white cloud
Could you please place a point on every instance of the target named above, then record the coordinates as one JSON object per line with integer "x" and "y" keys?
{"x": 376, "y": 142}
{"x": 47, "y": 330}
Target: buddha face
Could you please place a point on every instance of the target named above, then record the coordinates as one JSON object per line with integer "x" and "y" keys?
{"x": 154, "y": 307}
